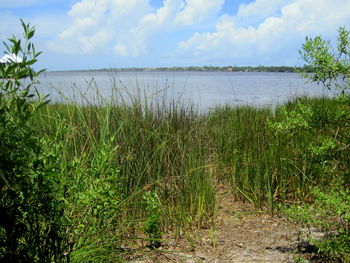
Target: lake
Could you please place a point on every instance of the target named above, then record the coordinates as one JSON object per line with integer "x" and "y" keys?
{"x": 203, "y": 89}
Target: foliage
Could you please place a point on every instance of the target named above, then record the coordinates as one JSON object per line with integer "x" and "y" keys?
{"x": 293, "y": 121}
{"x": 276, "y": 156}
{"x": 330, "y": 212}
{"x": 109, "y": 155}
{"x": 329, "y": 67}
{"x": 152, "y": 225}
{"x": 32, "y": 223}
{"x": 213, "y": 69}
{"x": 329, "y": 152}
{"x": 94, "y": 201}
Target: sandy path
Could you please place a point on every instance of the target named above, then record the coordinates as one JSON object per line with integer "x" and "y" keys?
{"x": 242, "y": 234}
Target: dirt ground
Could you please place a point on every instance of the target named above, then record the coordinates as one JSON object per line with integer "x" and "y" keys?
{"x": 241, "y": 234}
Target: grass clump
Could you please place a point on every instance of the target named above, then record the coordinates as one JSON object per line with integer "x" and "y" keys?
{"x": 112, "y": 155}
{"x": 329, "y": 213}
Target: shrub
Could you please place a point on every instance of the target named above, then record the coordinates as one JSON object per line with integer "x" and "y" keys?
{"x": 330, "y": 213}
{"x": 331, "y": 68}
{"x": 328, "y": 152}
{"x": 32, "y": 221}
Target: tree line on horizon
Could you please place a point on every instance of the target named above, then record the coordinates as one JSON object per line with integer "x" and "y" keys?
{"x": 219, "y": 69}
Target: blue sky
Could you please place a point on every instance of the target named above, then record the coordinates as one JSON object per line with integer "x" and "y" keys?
{"x": 90, "y": 34}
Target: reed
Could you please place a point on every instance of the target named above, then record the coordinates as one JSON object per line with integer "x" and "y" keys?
{"x": 276, "y": 156}
{"x": 114, "y": 152}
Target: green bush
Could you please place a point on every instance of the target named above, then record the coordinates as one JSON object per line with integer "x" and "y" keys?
{"x": 328, "y": 151}
{"x": 330, "y": 213}
{"x": 152, "y": 225}
{"x": 32, "y": 223}
{"x": 330, "y": 66}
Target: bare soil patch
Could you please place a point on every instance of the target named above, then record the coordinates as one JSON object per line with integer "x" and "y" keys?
{"x": 241, "y": 234}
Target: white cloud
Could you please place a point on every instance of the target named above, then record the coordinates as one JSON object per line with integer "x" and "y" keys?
{"x": 47, "y": 25}
{"x": 135, "y": 43}
{"x": 195, "y": 11}
{"x": 260, "y": 32}
{"x": 128, "y": 25}
{"x": 282, "y": 28}
{"x": 260, "y": 9}
{"x": 95, "y": 24}
{"x": 174, "y": 15}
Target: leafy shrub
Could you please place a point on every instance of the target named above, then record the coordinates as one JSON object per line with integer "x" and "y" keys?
{"x": 32, "y": 223}
{"x": 330, "y": 212}
{"x": 328, "y": 152}
{"x": 152, "y": 225}
{"x": 94, "y": 198}
{"x": 331, "y": 67}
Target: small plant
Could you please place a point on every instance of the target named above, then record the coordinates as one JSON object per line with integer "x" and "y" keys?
{"x": 293, "y": 121}
{"x": 330, "y": 213}
{"x": 152, "y": 225}
{"x": 95, "y": 202}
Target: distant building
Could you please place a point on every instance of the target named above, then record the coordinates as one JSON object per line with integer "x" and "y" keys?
{"x": 229, "y": 69}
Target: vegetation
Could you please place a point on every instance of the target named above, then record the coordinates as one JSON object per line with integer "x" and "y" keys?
{"x": 329, "y": 202}
{"x": 218, "y": 69}
{"x": 94, "y": 182}
{"x": 329, "y": 67}
{"x": 32, "y": 222}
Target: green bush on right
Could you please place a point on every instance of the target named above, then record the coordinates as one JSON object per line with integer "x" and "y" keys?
{"x": 327, "y": 205}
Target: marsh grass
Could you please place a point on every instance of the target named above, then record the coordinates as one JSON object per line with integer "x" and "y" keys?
{"x": 275, "y": 156}
{"x": 114, "y": 151}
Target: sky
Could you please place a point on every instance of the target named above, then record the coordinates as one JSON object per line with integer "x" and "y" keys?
{"x": 93, "y": 34}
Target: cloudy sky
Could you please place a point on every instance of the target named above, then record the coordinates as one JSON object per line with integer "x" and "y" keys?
{"x": 90, "y": 34}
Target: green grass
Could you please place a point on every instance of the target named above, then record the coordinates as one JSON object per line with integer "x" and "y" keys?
{"x": 111, "y": 154}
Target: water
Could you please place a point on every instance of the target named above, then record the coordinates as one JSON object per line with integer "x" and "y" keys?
{"x": 203, "y": 89}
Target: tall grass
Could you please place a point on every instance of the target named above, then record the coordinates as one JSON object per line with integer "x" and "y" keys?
{"x": 271, "y": 156}
{"x": 242, "y": 139}
{"x": 114, "y": 152}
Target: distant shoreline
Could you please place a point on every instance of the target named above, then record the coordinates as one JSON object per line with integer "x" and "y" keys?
{"x": 275, "y": 69}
